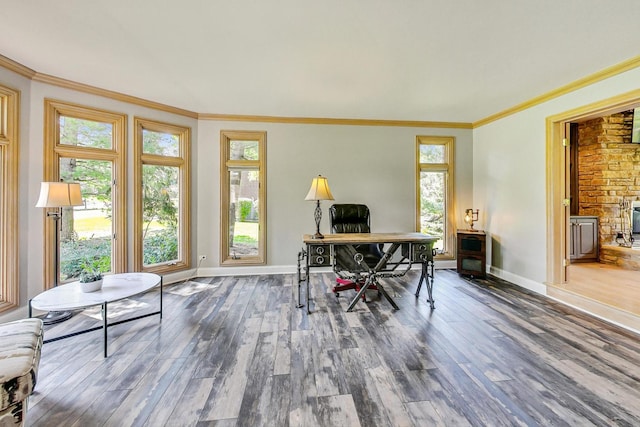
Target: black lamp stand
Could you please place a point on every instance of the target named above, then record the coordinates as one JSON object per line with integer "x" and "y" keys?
{"x": 56, "y": 316}
{"x": 317, "y": 214}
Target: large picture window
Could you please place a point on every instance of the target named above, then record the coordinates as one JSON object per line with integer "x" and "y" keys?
{"x": 434, "y": 169}
{"x": 162, "y": 195}
{"x": 86, "y": 146}
{"x": 9, "y": 284}
{"x": 243, "y": 191}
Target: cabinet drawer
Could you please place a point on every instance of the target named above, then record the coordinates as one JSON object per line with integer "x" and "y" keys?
{"x": 319, "y": 255}
{"x": 420, "y": 252}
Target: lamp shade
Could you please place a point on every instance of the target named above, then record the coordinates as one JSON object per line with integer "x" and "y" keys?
{"x": 59, "y": 194}
{"x": 319, "y": 189}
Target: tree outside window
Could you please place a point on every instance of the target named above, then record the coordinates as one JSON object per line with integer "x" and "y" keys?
{"x": 435, "y": 191}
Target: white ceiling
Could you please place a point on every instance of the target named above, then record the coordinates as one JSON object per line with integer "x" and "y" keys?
{"x": 431, "y": 60}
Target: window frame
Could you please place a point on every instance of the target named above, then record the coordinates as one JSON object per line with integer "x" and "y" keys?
{"x": 226, "y": 164}
{"x": 9, "y": 229}
{"x": 54, "y": 151}
{"x": 183, "y": 163}
{"x": 447, "y": 167}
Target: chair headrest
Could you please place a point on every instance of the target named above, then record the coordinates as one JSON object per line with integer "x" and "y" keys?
{"x": 349, "y": 218}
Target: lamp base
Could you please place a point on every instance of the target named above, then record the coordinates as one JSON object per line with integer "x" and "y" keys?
{"x": 318, "y": 236}
{"x": 53, "y": 317}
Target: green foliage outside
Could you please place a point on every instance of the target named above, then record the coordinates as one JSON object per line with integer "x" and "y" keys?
{"x": 432, "y": 205}
{"x": 245, "y": 209}
{"x": 160, "y": 200}
{"x": 79, "y": 254}
{"x": 94, "y": 254}
{"x": 245, "y": 240}
{"x": 160, "y": 246}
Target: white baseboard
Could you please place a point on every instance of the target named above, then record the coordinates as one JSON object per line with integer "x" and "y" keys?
{"x": 518, "y": 280}
{"x": 280, "y": 269}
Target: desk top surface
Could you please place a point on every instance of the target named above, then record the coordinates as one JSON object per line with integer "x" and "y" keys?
{"x": 114, "y": 287}
{"x": 355, "y": 238}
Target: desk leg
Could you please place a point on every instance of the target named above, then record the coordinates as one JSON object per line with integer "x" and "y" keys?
{"x": 387, "y": 296}
{"x": 423, "y": 275}
{"x": 300, "y": 258}
{"x": 364, "y": 287}
{"x": 372, "y": 278}
{"x": 308, "y": 278}
{"x": 428, "y": 279}
{"x": 104, "y": 326}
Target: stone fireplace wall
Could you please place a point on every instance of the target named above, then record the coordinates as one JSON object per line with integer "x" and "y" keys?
{"x": 608, "y": 172}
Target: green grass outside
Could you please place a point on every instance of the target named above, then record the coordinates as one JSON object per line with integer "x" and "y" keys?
{"x": 246, "y": 232}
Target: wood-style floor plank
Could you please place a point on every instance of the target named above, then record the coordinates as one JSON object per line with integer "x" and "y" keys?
{"x": 235, "y": 351}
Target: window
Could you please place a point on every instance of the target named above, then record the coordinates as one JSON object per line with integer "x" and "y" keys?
{"x": 162, "y": 196}
{"x": 9, "y": 285}
{"x": 86, "y": 146}
{"x": 434, "y": 203}
{"x": 243, "y": 201}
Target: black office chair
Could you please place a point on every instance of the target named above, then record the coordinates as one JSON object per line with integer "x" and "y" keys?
{"x": 352, "y": 218}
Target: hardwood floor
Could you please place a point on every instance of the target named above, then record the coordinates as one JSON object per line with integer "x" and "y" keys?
{"x": 606, "y": 283}
{"x": 234, "y": 351}
{"x": 602, "y": 289}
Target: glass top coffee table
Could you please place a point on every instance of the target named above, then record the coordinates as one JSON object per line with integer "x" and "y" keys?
{"x": 114, "y": 287}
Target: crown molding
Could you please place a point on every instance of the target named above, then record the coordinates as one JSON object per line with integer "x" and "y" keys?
{"x": 16, "y": 67}
{"x": 81, "y": 87}
{"x": 333, "y": 121}
{"x": 578, "y": 84}
{"x": 620, "y": 68}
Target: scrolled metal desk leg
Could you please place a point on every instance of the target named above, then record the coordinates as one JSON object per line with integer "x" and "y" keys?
{"x": 364, "y": 287}
{"x": 308, "y": 279}
{"x": 387, "y": 296}
{"x": 430, "y": 265}
{"x": 422, "y": 277}
{"x": 300, "y": 256}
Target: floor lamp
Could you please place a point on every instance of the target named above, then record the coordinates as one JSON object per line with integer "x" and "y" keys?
{"x": 58, "y": 195}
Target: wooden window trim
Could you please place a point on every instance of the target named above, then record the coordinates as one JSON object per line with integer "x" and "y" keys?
{"x": 448, "y": 168}
{"x": 53, "y": 151}
{"x": 226, "y": 136}
{"x": 9, "y": 256}
{"x": 183, "y": 162}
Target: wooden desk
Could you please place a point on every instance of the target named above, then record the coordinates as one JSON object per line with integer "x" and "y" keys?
{"x": 414, "y": 248}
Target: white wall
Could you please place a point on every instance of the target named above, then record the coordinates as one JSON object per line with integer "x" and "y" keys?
{"x": 509, "y": 181}
{"x": 31, "y": 169}
{"x": 374, "y": 165}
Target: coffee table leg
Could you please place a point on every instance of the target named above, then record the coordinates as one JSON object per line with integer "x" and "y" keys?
{"x": 104, "y": 326}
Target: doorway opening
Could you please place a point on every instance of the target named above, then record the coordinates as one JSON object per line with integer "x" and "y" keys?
{"x": 569, "y": 282}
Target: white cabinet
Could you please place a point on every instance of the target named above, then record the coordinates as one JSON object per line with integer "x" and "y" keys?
{"x": 584, "y": 238}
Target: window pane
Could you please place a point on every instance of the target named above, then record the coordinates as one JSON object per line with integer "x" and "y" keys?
{"x": 86, "y": 233}
{"x": 160, "y": 210}
{"x": 244, "y": 150}
{"x": 432, "y": 153}
{"x": 432, "y": 205}
{"x": 243, "y": 213}
{"x": 162, "y": 144}
{"x": 85, "y": 133}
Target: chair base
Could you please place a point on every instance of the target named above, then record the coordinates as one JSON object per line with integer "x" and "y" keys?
{"x": 345, "y": 285}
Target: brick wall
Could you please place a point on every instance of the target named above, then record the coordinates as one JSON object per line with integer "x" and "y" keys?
{"x": 608, "y": 170}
